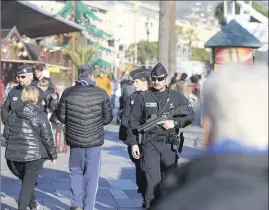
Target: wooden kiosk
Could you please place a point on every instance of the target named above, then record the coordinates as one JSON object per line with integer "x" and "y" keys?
{"x": 233, "y": 44}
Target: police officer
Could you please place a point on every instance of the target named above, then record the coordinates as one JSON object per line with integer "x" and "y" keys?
{"x": 157, "y": 153}
{"x": 141, "y": 78}
{"x": 13, "y": 101}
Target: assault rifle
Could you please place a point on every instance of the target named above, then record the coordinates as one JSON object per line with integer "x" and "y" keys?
{"x": 154, "y": 121}
{"x": 175, "y": 140}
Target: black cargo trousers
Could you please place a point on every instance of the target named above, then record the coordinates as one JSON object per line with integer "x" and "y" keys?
{"x": 140, "y": 174}
{"x": 157, "y": 156}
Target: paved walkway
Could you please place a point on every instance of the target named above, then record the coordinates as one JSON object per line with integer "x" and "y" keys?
{"x": 117, "y": 188}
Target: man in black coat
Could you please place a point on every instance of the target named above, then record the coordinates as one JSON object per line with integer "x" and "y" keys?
{"x": 84, "y": 109}
{"x": 13, "y": 101}
{"x": 233, "y": 172}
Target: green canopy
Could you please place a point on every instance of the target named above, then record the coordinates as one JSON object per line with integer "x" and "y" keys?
{"x": 99, "y": 62}
{"x": 105, "y": 49}
{"x": 95, "y": 32}
{"x": 82, "y": 11}
{"x": 96, "y": 45}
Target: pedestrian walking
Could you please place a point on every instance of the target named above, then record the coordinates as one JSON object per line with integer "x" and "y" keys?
{"x": 126, "y": 90}
{"x": 13, "y": 101}
{"x": 2, "y": 92}
{"x": 114, "y": 87}
{"x": 84, "y": 109}
{"x": 157, "y": 152}
{"x": 102, "y": 81}
{"x": 56, "y": 124}
{"x": 29, "y": 143}
{"x": 11, "y": 84}
{"x": 38, "y": 76}
{"x": 141, "y": 78}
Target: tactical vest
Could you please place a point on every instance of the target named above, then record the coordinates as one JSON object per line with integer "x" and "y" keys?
{"x": 151, "y": 107}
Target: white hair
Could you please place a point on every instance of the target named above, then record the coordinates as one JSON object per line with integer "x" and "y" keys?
{"x": 236, "y": 100}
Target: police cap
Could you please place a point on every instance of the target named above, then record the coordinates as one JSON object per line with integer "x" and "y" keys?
{"x": 158, "y": 70}
{"x": 24, "y": 69}
{"x": 140, "y": 73}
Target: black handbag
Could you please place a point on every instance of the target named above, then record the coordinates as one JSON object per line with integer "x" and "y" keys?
{"x": 53, "y": 118}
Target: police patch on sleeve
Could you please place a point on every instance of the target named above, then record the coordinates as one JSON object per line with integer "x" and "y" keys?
{"x": 14, "y": 98}
{"x": 43, "y": 103}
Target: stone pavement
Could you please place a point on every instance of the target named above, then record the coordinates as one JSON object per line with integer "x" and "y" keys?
{"x": 117, "y": 188}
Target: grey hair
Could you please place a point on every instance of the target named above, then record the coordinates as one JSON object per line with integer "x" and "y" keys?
{"x": 236, "y": 100}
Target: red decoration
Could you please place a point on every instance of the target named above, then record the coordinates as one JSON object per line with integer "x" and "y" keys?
{"x": 41, "y": 55}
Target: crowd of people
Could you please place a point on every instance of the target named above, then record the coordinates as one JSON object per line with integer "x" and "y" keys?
{"x": 231, "y": 174}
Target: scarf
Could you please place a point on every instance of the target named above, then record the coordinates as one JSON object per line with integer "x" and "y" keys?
{"x": 85, "y": 82}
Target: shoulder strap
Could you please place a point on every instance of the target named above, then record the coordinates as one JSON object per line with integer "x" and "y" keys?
{"x": 160, "y": 112}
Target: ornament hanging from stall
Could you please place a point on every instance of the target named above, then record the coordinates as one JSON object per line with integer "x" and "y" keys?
{"x": 42, "y": 55}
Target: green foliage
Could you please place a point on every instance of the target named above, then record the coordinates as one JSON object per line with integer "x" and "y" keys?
{"x": 142, "y": 51}
{"x": 81, "y": 55}
{"x": 200, "y": 54}
{"x": 219, "y": 14}
{"x": 83, "y": 16}
{"x": 259, "y": 8}
{"x": 189, "y": 35}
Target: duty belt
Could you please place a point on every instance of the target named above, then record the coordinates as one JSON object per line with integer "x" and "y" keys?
{"x": 155, "y": 136}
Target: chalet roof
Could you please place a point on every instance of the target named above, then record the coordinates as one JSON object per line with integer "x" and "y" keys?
{"x": 233, "y": 35}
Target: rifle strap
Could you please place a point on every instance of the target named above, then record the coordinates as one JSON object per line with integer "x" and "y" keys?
{"x": 160, "y": 112}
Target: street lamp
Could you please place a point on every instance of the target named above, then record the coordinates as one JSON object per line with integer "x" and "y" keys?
{"x": 148, "y": 25}
{"x": 136, "y": 8}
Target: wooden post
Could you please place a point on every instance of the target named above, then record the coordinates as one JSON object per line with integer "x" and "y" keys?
{"x": 173, "y": 40}
{"x": 73, "y": 40}
{"x": 164, "y": 31}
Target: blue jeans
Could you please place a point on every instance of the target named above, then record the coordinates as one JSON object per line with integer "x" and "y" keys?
{"x": 84, "y": 167}
{"x": 113, "y": 100}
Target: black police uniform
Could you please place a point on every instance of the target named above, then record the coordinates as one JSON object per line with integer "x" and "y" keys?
{"x": 13, "y": 100}
{"x": 157, "y": 154}
{"x": 126, "y": 134}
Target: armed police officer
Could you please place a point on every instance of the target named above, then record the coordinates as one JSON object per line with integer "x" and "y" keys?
{"x": 141, "y": 78}
{"x": 13, "y": 101}
{"x": 157, "y": 153}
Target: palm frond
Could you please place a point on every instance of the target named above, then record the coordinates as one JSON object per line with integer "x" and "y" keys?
{"x": 74, "y": 56}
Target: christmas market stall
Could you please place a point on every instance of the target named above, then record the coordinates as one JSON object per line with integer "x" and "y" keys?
{"x": 233, "y": 44}
{"x": 29, "y": 23}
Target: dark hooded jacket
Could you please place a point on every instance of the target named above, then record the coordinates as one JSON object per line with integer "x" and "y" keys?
{"x": 28, "y": 134}
{"x": 85, "y": 110}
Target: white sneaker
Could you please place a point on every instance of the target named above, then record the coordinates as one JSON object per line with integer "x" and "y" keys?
{"x": 36, "y": 208}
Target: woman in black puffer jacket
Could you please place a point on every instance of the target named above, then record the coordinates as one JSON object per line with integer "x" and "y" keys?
{"x": 29, "y": 144}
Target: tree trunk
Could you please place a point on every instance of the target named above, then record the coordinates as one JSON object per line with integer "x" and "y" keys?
{"x": 173, "y": 39}
{"x": 164, "y": 31}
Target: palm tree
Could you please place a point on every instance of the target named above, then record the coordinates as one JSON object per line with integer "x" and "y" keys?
{"x": 189, "y": 35}
{"x": 164, "y": 26}
{"x": 173, "y": 39}
{"x": 80, "y": 55}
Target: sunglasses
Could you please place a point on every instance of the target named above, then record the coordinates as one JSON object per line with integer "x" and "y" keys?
{"x": 43, "y": 85}
{"x": 157, "y": 78}
{"x": 21, "y": 77}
